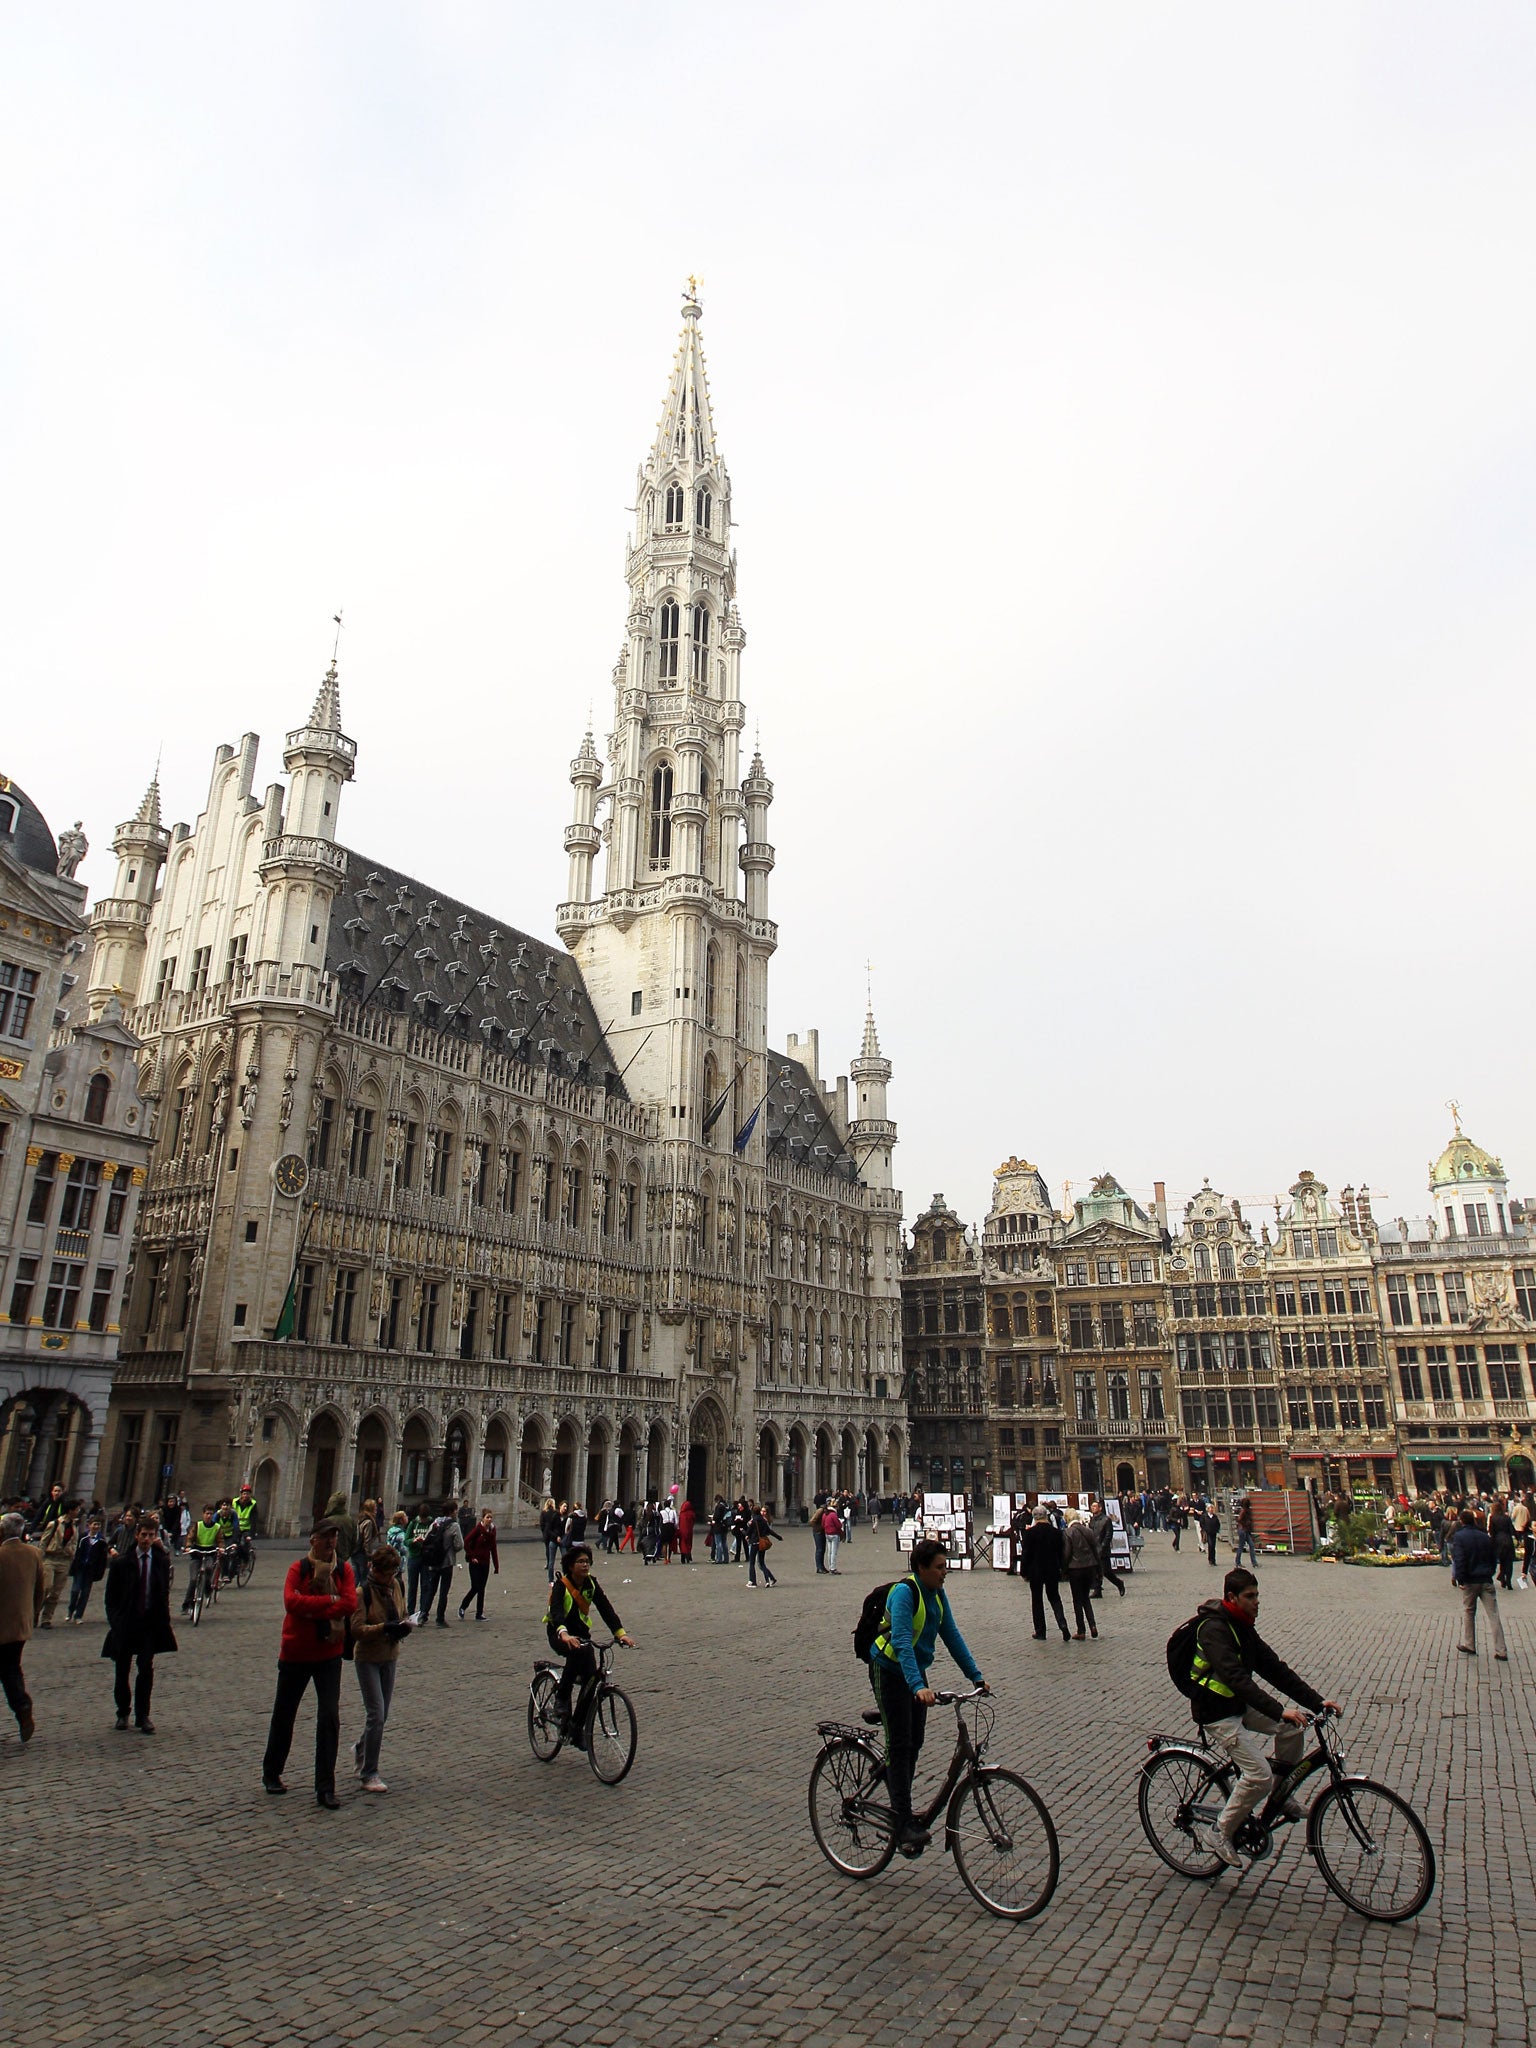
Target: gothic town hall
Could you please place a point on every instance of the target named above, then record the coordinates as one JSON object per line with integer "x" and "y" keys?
{"x": 436, "y": 1206}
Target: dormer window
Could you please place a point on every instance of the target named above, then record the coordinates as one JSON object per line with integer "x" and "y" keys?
{"x": 674, "y": 508}
{"x": 10, "y": 813}
{"x": 703, "y": 509}
{"x": 668, "y": 617}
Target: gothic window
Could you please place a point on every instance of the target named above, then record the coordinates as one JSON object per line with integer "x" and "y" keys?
{"x": 661, "y": 811}
{"x": 741, "y": 995}
{"x": 668, "y": 620}
{"x": 674, "y": 508}
{"x": 703, "y": 508}
{"x": 711, "y": 986}
{"x": 700, "y": 653}
{"x": 101, "y": 1087}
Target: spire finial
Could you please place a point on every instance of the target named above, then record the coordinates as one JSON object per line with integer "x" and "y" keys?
{"x": 1455, "y": 1108}
{"x": 691, "y": 306}
{"x": 336, "y": 648}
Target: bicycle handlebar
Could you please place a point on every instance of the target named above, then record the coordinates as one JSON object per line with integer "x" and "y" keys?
{"x": 961, "y": 1699}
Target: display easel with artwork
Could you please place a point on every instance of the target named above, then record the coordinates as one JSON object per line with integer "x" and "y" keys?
{"x": 948, "y": 1517}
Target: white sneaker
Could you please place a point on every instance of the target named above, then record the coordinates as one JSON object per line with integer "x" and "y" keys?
{"x": 374, "y": 1784}
{"x": 1222, "y": 1845}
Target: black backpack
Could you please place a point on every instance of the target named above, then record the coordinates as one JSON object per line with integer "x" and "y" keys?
{"x": 873, "y": 1615}
{"x": 1181, "y": 1656}
{"x": 434, "y": 1551}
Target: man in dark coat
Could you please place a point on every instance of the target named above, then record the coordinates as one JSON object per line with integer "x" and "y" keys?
{"x": 89, "y": 1564}
{"x": 138, "y": 1597}
{"x": 1042, "y": 1559}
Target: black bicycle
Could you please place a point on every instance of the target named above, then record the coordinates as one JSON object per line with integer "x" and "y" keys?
{"x": 996, "y": 1825}
{"x": 1371, "y": 1847}
{"x": 602, "y": 1721}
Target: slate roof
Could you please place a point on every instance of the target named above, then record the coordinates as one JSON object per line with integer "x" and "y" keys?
{"x": 795, "y": 1110}
{"x": 33, "y": 843}
{"x": 396, "y": 942}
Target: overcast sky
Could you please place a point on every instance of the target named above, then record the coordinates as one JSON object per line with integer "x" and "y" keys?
{"x": 1130, "y": 418}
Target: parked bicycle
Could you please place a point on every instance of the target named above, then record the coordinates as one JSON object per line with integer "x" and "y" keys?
{"x": 602, "y": 1719}
{"x": 996, "y": 1825}
{"x": 1371, "y": 1847}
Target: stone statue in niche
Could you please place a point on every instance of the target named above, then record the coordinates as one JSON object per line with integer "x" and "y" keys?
{"x": 285, "y": 1106}
{"x": 249, "y": 1096}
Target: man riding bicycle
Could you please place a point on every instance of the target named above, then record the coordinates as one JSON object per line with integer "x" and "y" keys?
{"x": 916, "y": 1616}
{"x": 203, "y": 1547}
{"x": 245, "y": 1513}
{"x": 1236, "y": 1713}
{"x": 566, "y": 1623}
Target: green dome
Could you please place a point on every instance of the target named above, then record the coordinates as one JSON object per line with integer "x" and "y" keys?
{"x": 1463, "y": 1161}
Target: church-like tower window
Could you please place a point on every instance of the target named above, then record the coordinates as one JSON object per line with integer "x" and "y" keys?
{"x": 674, "y": 508}
{"x": 669, "y": 630}
{"x": 661, "y": 814}
{"x": 700, "y": 665}
{"x": 711, "y": 987}
{"x": 703, "y": 510}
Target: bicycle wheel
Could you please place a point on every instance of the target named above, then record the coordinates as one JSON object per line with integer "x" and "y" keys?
{"x": 1003, "y": 1843}
{"x": 197, "y": 1604}
{"x": 1372, "y": 1849}
{"x": 611, "y": 1736}
{"x": 247, "y": 1566}
{"x": 544, "y": 1737}
{"x": 1179, "y": 1799}
{"x": 853, "y": 1832}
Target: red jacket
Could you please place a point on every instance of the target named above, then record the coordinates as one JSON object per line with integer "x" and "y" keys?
{"x": 480, "y": 1546}
{"x": 304, "y": 1613}
{"x": 687, "y": 1515}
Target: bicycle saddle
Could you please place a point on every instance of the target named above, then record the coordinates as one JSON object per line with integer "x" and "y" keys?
{"x": 871, "y": 1717}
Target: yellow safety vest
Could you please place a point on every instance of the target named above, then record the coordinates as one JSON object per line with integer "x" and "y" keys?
{"x": 1200, "y": 1671}
{"x": 882, "y": 1642}
{"x": 245, "y": 1511}
{"x": 206, "y": 1536}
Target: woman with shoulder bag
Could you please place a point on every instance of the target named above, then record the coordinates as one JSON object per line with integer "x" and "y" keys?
{"x": 760, "y": 1540}
{"x": 378, "y": 1629}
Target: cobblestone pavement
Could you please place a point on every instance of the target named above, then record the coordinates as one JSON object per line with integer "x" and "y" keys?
{"x": 156, "y": 1894}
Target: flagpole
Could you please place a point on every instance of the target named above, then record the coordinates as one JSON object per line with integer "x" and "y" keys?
{"x": 286, "y": 1315}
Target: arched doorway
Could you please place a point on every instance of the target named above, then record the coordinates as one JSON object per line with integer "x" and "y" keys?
{"x": 896, "y": 1462}
{"x": 874, "y": 1478}
{"x": 415, "y": 1461}
{"x": 629, "y": 1463}
{"x": 321, "y": 1462}
{"x": 768, "y": 1469}
{"x": 1521, "y": 1471}
{"x": 797, "y": 1461}
{"x": 265, "y": 1489}
{"x": 1125, "y": 1479}
{"x": 567, "y": 1443}
{"x": 493, "y": 1463}
{"x": 456, "y": 1460}
{"x": 597, "y": 1463}
{"x": 656, "y": 1462}
{"x": 533, "y": 1460}
{"x": 372, "y": 1446}
{"x": 823, "y": 1461}
{"x": 706, "y": 1454}
{"x": 848, "y": 1463}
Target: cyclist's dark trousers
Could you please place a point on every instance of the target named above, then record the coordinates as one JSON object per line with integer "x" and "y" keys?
{"x": 479, "y": 1574}
{"x": 143, "y": 1685}
{"x": 1038, "y": 1595}
{"x": 905, "y": 1720}
{"x": 580, "y": 1666}
{"x": 292, "y": 1679}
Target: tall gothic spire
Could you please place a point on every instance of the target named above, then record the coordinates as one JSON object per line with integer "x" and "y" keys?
{"x": 870, "y": 1050}
{"x": 685, "y": 434}
{"x": 326, "y": 716}
{"x": 148, "y": 812}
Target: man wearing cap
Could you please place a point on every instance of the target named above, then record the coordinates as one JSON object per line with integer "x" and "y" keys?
{"x": 318, "y": 1595}
{"x": 21, "y": 1602}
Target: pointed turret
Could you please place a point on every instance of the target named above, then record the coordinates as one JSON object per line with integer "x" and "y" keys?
{"x": 685, "y": 433}
{"x": 301, "y": 866}
{"x": 120, "y": 922}
{"x": 320, "y": 758}
{"x": 581, "y": 835}
{"x": 872, "y": 1136}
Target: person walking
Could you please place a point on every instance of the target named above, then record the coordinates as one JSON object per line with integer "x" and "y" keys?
{"x": 440, "y": 1553}
{"x": 21, "y": 1602}
{"x": 1177, "y": 1520}
{"x": 318, "y": 1594}
{"x": 57, "y": 1548}
{"x": 760, "y": 1540}
{"x": 1042, "y": 1560}
{"x": 1473, "y": 1565}
{"x": 1101, "y": 1528}
{"x": 417, "y": 1531}
{"x": 138, "y": 1600}
{"x": 626, "y": 1540}
{"x": 368, "y": 1538}
{"x": 338, "y": 1511}
{"x": 397, "y": 1534}
{"x": 687, "y": 1515}
{"x": 378, "y": 1629}
{"x": 1246, "y": 1539}
{"x": 719, "y": 1516}
{"x": 1210, "y": 1529}
{"x": 88, "y": 1564}
{"x": 482, "y": 1558}
{"x": 551, "y": 1528}
{"x": 1501, "y": 1534}
{"x": 819, "y": 1530}
{"x": 1082, "y": 1563}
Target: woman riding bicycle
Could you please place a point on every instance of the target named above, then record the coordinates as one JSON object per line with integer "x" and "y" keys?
{"x": 917, "y": 1617}
{"x": 572, "y": 1597}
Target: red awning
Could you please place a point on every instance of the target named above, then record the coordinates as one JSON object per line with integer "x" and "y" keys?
{"x": 1223, "y": 1457}
{"x": 1245, "y": 1457}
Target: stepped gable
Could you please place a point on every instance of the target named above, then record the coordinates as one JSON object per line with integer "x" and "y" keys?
{"x": 397, "y": 943}
{"x": 795, "y": 1110}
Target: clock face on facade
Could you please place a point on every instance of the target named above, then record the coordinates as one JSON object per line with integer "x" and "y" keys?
{"x": 290, "y": 1175}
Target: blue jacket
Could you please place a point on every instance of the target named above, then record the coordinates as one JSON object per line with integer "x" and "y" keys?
{"x": 1472, "y": 1559}
{"x": 915, "y": 1657}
